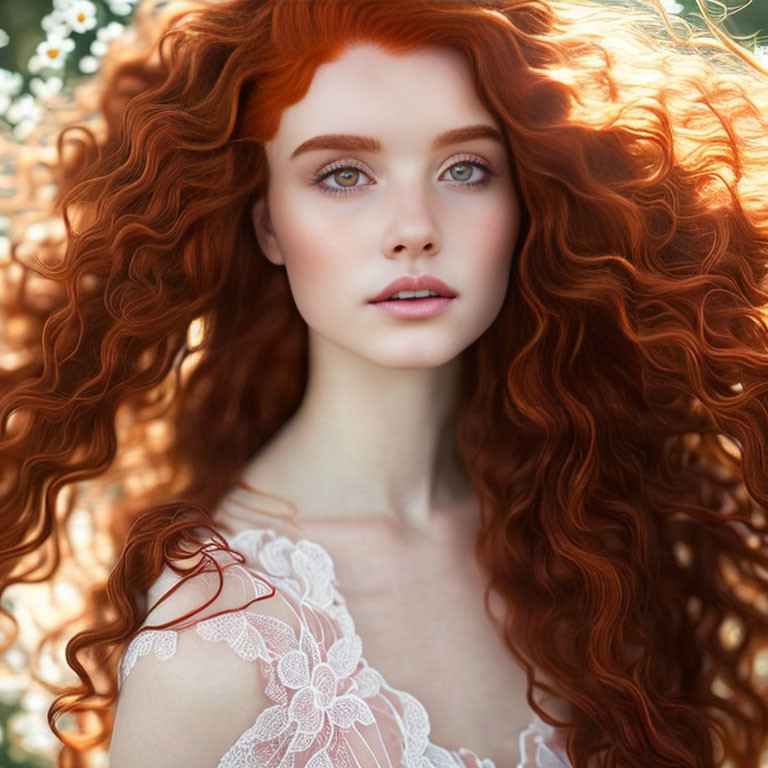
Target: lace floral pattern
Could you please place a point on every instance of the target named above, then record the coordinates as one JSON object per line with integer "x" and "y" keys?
{"x": 161, "y": 643}
{"x": 327, "y": 699}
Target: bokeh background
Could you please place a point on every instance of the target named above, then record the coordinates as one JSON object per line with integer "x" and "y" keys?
{"x": 47, "y": 45}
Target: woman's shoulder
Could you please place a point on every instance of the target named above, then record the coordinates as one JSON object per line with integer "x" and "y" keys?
{"x": 256, "y": 595}
{"x": 188, "y": 684}
{"x": 262, "y": 660}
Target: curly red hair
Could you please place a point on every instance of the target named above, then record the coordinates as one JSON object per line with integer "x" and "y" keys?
{"x": 614, "y": 417}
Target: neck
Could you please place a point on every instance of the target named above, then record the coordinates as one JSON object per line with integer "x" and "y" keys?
{"x": 368, "y": 441}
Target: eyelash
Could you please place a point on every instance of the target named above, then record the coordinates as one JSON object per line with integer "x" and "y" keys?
{"x": 341, "y": 165}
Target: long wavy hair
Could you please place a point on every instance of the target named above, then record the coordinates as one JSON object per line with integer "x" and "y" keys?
{"x": 613, "y": 418}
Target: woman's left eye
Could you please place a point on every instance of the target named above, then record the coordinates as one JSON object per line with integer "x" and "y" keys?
{"x": 348, "y": 172}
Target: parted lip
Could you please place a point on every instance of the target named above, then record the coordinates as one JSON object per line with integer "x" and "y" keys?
{"x": 412, "y": 283}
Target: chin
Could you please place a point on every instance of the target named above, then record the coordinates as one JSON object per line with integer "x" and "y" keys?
{"x": 413, "y": 360}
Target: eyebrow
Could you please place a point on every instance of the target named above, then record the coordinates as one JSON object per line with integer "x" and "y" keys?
{"x": 351, "y": 142}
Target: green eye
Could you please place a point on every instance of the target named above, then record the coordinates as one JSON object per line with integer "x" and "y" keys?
{"x": 347, "y": 175}
{"x": 465, "y": 169}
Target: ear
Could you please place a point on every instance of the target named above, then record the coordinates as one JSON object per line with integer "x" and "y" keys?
{"x": 262, "y": 226}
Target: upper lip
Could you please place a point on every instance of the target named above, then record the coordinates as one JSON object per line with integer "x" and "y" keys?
{"x": 411, "y": 283}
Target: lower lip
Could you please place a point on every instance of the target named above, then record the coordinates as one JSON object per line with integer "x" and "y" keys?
{"x": 414, "y": 307}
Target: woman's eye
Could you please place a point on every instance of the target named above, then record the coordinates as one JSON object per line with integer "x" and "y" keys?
{"x": 347, "y": 175}
{"x": 466, "y": 170}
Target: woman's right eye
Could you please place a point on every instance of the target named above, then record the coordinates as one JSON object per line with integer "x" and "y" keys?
{"x": 346, "y": 173}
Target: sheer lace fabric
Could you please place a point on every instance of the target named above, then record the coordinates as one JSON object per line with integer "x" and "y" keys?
{"x": 330, "y": 708}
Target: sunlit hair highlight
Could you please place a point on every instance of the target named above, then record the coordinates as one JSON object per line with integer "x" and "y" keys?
{"x": 612, "y": 419}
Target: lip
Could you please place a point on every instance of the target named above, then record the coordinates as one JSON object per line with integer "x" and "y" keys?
{"x": 413, "y": 310}
{"x": 414, "y": 283}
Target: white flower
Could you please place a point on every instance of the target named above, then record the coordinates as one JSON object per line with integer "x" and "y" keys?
{"x": 100, "y": 45}
{"x": 26, "y": 113}
{"x": 35, "y": 64}
{"x": 44, "y": 89}
{"x": 25, "y": 108}
{"x": 10, "y": 82}
{"x": 53, "y": 51}
{"x": 4, "y": 39}
{"x": 113, "y": 30}
{"x": 120, "y": 7}
{"x": 88, "y": 64}
{"x": 98, "y": 48}
{"x": 672, "y": 6}
{"x": 81, "y": 15}
{"x": 55, "y": 23}
{"x": 761, "y": 51}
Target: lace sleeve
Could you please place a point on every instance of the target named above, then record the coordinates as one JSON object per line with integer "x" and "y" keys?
{"x": 542, "y": 746}
{"x": 249, "y": 687}
{"x": 184, "y": 700}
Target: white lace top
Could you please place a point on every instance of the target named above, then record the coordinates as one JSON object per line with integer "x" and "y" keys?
{"x": 331, "y": 709}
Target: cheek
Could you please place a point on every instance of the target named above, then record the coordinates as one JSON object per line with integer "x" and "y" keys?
{"x": 316, "y": 249}
{"x": 502, "y": 224}
{"x": 495, "y": 238}
{"x": 314, "y": 284}
{"x": 306, "y": 224}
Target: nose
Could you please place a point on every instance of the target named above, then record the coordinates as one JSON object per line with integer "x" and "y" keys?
{"x": 413, "y": 228}
{"x": 411, "y": 246}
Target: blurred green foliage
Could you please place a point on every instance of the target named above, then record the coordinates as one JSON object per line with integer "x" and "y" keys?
{"x": 11, "y": 756}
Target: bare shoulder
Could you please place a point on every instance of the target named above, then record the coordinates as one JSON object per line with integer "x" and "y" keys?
{"x": 187, "y": 709}
{"x": 186, "y": 696}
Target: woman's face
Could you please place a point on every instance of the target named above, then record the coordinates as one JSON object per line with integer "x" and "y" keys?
{"x": 348, "y": 216}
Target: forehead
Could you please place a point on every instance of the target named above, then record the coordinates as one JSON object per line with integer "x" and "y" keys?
{"x": 398, "y": 98}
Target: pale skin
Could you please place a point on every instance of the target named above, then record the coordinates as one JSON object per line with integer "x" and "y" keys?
{"x": 372, "y": 435}
{"x": 369, "y": 459}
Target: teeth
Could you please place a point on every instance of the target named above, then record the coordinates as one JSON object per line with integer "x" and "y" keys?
{"x": 413, "y": 294}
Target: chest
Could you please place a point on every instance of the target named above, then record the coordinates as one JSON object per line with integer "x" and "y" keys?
{"x": 420, "y": 614}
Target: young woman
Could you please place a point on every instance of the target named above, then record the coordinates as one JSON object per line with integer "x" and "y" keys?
{"x": 478, "y": 297}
